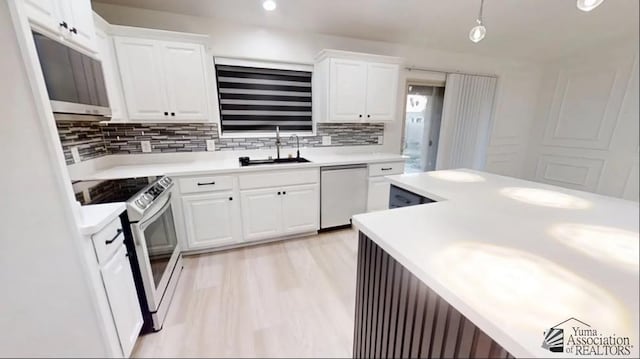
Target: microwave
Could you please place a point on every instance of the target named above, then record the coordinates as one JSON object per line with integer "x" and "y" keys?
{"x": 74, "y": 81}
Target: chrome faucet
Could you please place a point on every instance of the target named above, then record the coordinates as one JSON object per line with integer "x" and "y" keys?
{"x": 278, "y": 141}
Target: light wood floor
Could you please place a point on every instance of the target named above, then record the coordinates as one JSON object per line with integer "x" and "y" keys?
{"x": 291, "y": 298}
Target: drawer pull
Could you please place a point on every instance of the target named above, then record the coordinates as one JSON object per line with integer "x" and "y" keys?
{"x": 207, "y": 183}
{"x": 114, "y": 237}
{"x": 386, "y": 168}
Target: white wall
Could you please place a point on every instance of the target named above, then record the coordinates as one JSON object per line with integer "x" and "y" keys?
{"x": 517, "y": 83}
{"x": 586, "y": 127}
{"x": 46, "y": 306}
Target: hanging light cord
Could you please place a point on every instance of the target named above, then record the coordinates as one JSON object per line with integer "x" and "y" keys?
{"x": 479, "y": 20}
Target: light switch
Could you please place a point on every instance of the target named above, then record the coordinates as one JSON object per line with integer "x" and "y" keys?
{"x": 326, "y": 140}
{"x": 75, "y": 154}
{"x": 211, "y": 145}
{"x": 146, "y": 146}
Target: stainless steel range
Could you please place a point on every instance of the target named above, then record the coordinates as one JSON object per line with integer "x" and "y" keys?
{"x": 157, "y": 249}
{"x": 150, "y": 238}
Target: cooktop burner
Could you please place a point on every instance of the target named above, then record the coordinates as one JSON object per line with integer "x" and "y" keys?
{"x": 108, "y": 191}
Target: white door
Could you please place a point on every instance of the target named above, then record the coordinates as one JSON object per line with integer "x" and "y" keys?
{"x": 123, "y": 299}
{"x": 186, "y": 78}
{"x": 210, "y": 219}
{"x": 142, "y": 78}
{"x": 261, "y": 213}
{"x": 300, "y": 209}
{"x": 347, "y": 90}
{"x": 382, "y": 92}
{"x": 378, "y": 196}
{"x": 45, "y": 13}
{"x": 111, "y": 75}
{"x": 79, "y": 15}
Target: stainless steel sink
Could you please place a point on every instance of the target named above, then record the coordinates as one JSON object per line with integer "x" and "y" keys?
{"x": 246, "y": 161}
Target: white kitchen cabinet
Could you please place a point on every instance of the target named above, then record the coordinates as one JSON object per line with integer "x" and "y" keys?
{"x": 123, "y": 299}
{"x": 347, "y": 90}
{"x": 378, "y": 195}
{"x": 185, "y": 81}
{"x": 106, "y": 55}
{"x": 280, "y": 211}
{"x": 351, "y": 87}
{"x": 163, "y": 80}
{"x": 211, "y": 219}
{"x": 261, "y": 213}
{"x": 382, "y": 92}
{"x": 72, "y": 20}
{"x": 300, "y": 208}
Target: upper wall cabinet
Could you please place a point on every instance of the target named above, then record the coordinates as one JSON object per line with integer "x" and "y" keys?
{"x": 163, "y": 80}
{"x": 106, "y": 55}
{"x": 351, "y": 87}
{"x": 71, "y": 20}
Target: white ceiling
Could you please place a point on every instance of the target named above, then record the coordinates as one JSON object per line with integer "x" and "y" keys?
{"x": 528, "y": 29}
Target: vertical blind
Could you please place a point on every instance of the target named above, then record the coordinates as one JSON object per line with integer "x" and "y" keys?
{"x": 259, "y": 99}
{"x": 466, "y": 121}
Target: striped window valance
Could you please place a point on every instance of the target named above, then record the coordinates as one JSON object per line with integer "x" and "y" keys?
{"x": 256, "y": 99}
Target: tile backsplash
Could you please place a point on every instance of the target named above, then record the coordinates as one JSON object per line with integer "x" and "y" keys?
{"x": 94, "y": 139}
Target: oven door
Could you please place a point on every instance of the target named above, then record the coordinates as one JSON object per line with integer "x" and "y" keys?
{"x": 157, "y": 249}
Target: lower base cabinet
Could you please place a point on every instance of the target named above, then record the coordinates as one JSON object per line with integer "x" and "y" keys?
{"x": 278, "y": 211}
{"x": 211, "y": 219}
{"x": 378, "y": 196}
{"x": 123, "y": 300}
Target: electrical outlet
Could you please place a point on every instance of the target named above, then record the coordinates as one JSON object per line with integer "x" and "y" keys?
{"x": 326, "y": 140}
{"x": 380, "y": 140}
{"x": 146, "y": 146}
{"x": 75, "y": 154}
{"x": 211, "y": 145}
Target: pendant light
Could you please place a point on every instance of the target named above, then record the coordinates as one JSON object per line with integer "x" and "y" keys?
{"x": 477, "y": 32}
{"x": 588, "y": 5}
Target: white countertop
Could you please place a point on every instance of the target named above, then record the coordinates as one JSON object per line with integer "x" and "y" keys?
{"x": 95, "y": 216}
{"x": 514, "y": 267}
{"x": 127, "y": 166}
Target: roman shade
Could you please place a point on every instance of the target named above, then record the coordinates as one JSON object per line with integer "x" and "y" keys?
{"x": 254, "y": 99}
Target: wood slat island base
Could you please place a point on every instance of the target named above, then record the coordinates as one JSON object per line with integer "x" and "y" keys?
{"x": 398, "y": 316}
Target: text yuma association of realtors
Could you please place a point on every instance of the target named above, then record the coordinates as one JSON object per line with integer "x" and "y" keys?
{"x": 589, "y": 341}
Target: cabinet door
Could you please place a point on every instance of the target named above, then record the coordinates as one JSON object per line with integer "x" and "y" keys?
{"x": 79, "y": 15}
{"x": 142, "y": 78}
{"x": 104, "y": 45}
{"x": 382, "y": 92}
{"x": 300, "y": 209}
{"x": 211, "y": 219}
{"x": 123, "y": 299}
{"x": 186, "y": 78}
{"x": 378, "y": 196}
{"x": 347, "y": 90}
{"x": 45, "y": 13}
{"x": 261, "y": 213}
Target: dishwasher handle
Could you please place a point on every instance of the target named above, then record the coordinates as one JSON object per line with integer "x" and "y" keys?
{"x": 343, "y": 167}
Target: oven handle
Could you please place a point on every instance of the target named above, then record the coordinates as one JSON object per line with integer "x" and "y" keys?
{"x": 144, "y": 224}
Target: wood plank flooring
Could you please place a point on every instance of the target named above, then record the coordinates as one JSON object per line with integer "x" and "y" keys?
{"x": 292, "y": 298}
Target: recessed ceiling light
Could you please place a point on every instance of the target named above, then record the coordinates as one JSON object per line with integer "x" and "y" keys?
{"x": 269, "y": 5}
{"x": 588, "y": 5}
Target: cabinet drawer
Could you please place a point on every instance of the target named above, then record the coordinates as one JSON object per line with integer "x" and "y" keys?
{"x": 108, "y": 240}
{"x": 385, "y": 169}
{"x": 205, "y": 184}
{"x": 279, "y": 178}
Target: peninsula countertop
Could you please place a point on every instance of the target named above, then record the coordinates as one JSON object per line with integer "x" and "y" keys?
{"x": 517, "y": 257}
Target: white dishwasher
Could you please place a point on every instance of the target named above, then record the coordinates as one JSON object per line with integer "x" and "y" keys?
{"x": 343, "y": 193}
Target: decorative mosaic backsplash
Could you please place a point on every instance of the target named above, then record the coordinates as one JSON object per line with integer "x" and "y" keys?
{"x": 86, "y": 135}
{"x": 95, "y": 140}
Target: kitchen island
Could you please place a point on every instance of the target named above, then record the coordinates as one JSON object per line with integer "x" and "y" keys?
{"x": 497, "y": 267}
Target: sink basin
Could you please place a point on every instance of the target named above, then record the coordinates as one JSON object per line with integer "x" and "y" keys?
{"x": 246, "y": 161}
